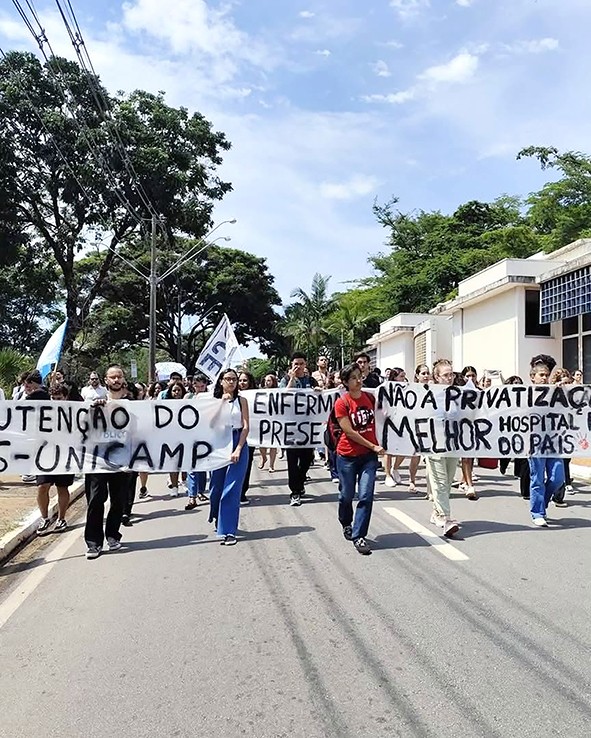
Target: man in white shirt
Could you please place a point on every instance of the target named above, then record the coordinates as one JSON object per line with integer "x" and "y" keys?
{"x": 94, "y": 390}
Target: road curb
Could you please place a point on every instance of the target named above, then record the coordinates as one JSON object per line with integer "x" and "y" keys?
{"x": 27, "y": 529}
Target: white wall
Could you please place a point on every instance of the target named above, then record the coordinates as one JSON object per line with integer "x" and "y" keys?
{"x": 488, "y": 337}
{"x": 397, "y": 350}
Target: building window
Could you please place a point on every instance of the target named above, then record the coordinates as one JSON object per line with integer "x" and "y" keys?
{"x": 533, "y": 326}
{"x": 566, "y": 296}
{"x": 576, "y": 345}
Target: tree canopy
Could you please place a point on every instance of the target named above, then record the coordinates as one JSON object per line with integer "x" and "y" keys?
{"x": 79, "y": 164}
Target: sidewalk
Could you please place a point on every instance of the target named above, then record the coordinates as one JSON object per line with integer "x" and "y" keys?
{"x": 19, "y": 516}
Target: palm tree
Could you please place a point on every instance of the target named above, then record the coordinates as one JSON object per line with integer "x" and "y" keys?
{"x": 351, "y": 324}
{"x": 12, "y": 362}
{"x": 305, "y": 321}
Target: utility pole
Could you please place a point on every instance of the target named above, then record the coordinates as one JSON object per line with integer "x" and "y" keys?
{"x": 153, "y": 292}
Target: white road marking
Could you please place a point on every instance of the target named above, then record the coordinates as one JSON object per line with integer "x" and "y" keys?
{"x": 443, "y": 547}
{"x": 35, "y": 577}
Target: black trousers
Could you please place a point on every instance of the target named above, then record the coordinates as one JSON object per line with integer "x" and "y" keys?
{"x": 299, "y": 461}
{"x": 99, "y": 487}
{"x": 130, "y": 496}
{"x": 246, "y": 483}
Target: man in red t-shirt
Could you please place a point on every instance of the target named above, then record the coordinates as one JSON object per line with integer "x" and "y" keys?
{"x": 357, "y": 457}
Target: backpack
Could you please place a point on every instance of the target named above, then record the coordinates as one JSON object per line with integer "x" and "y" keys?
{"x": 333, "y": 430}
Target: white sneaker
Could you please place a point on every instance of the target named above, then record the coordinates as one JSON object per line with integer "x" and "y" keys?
{"x": 450, "y": 527}
{"x": 182, "y": 489}
{"x": 569, "y": 489}
{"x": 389, "y": 481}
{"x": 114, "y": 544}
{"x": 174, "y": 491}
{"x": 540, "y": 522}
{"x": 438, "y": 520}
{"x": 396, "y": 476}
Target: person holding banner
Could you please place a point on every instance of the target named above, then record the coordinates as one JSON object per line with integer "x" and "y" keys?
{"x": 59, "y": 392}
{"x": 441, "y": 470}
{"x": 246, "y": 381}
{"x": 299, "y": 460}
{"x": 269, "y": 382}
{"x": 546, "y": 474}
{"x": 99, "y": 486}
{"x": 357, "y": 450}
{"x": 226, "y": 483}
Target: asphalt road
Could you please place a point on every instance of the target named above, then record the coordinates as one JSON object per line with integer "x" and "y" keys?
{"x": 293, "y": 633}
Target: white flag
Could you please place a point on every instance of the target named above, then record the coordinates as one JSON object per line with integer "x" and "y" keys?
{"x": 51, "y": 353}
{"x": 219, "y": 350}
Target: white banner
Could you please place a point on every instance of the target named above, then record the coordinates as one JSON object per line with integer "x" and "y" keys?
{"x": 219, "y": 350}
{"x": 504, "y": 421}
{"x": 38, "y": 437}
{"x": 285, "y": 418}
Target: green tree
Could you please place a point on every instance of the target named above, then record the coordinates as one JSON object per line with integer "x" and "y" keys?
{"x": 80, "y": 162}
{"x": 305, "y": 320}
{"x": 12, "y": 362}
{"x": 29, "y": 302}
{"x": 430, "y": 253}
{"x": 190, "y": 302}
{"x": 561, "y": 210}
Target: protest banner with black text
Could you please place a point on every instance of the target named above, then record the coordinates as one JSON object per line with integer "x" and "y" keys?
{"x": 286, "y": 418}
{"x": 38, "y": 437}
{"x": 503, "y": 421}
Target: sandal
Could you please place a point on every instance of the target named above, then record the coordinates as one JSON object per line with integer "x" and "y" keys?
{"x": 191, "y": 504}
{"x": 202, "y": 498}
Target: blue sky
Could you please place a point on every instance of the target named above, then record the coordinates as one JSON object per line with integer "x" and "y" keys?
{"x": 330, "y": 104}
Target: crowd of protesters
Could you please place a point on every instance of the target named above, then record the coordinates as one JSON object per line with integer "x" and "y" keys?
{"x": 352, "y": 453}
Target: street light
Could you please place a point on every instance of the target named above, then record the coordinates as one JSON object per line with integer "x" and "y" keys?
{"x": 189, "y": 255}
{"x": 154, "y": 280}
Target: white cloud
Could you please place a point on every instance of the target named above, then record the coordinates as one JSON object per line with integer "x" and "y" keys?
{"x": 322, "y": 52}
{"x": 306, "y": 14}
{"x": 381, "y": 69}
{"x": 393, "y": 44}
{"x": 459, "y": 69}
{"x": 534, "y": 46}
{"x": 394, "y": 98}
{"x": 464, "y": 3}
{"x": 409, "y": 8}
{"x": 357, "y": 186}
{"x": 193, "y": 27}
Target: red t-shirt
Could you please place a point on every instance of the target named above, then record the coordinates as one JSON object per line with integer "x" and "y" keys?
{"x": 360, "y": 412}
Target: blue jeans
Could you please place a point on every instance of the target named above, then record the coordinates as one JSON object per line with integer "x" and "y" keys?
{"x": 332, "y": 461}
{"x": 546, "y": 478}
{"x": 196, "y": 483}
{"x": 225, "y": 486}
{"x": 360, "y": 472}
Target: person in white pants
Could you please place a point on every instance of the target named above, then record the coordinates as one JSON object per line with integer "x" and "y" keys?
{"x": 441, "y": 470}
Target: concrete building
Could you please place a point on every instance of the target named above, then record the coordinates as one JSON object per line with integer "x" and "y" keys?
{"x": 516, "y": 308}
{"x": 502, "y": 316}
{"x": 409, "y": 339}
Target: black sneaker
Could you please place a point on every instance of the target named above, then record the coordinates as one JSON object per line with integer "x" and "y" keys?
{"x": 362, "y": 547}
{"x": 60, "y": 525}
{"x": 43, "y": 527}
{"x": 143, "y": 493}
{"x": 126, "y": 521}
{"x": 295, "y": 501}
{"x": 348, "y": 532}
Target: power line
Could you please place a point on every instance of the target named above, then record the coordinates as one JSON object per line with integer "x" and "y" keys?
{"x": 87, "y": 134}
{"x": 85, "y": 61}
